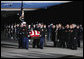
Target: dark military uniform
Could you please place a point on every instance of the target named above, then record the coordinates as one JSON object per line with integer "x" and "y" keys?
{"x": 56, "y": 38}
{"x": 60, "y": 37}
{"x": 24, "y": 33}
{"x": 19, "y": 38}
{"x": 73, "y": 40}
{"x": 78, "y": 37}
{"x": 67, "y": 37}
{"x": 45, "y": 37}
{"x": 62, "y": 42}
{"x": 81, "y": 33}
{"x": 49, "y": 33}
{"x": 36, "y": 42}
{"x": 42, "y": 38}
{"x": 53, "y": 36}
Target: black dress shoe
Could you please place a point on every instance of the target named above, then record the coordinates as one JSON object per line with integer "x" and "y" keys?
{"x": 33, "y": 47}
{"x": 78, "y": 46}
{"x": 19, "y": 47}
{"x": 41, "y": 47}
{"x": 54, "y": 46}
{"x": 27, "y": 48}
{"x": 74, "y": 48}
{"x": 37, "y": 47}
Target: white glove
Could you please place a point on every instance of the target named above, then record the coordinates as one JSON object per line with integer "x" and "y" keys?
{"x": 74, "y": 37}
{"x": 28, "y": 35}
{"x": 58, "y": 40}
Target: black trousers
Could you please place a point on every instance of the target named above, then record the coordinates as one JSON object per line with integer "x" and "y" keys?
{"x": 68, "y": 43}
{"x": 78, "y": 42}
{"x": 74, "y": 44}
{"x": 20, "y": 45}
{"x": 36, "y": 42}
{"x": 55, "y": 43}
{"x": 62, "y": 43}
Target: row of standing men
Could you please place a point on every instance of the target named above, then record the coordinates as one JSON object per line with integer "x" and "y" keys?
{"x": 67, "y": 37}
{"x": 62, "y": 36}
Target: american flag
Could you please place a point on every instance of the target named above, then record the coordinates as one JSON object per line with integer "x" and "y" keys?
{"x": 22, "y": 13}
{"x": 34, "y": 33}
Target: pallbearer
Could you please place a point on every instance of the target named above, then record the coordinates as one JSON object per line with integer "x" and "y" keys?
{"x": 24, "y": 32}
{"x": 18, "y": 36}
{"x": 42, "y": 38}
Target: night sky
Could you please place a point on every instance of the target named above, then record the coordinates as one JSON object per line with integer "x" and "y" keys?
{"x": 65, "y": 13}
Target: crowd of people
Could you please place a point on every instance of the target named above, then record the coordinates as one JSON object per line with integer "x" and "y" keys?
{"x": 67, "y": 36}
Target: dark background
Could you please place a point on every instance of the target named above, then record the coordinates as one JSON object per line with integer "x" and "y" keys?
{"x": 65, "y": 13}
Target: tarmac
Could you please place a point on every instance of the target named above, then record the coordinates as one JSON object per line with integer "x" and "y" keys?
{"x": 9, "y": 49}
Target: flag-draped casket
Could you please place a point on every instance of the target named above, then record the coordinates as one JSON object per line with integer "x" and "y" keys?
{"x": 34, "y": 34}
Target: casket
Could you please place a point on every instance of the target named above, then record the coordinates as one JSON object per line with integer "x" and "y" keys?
{"x": 34, "y": 34}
